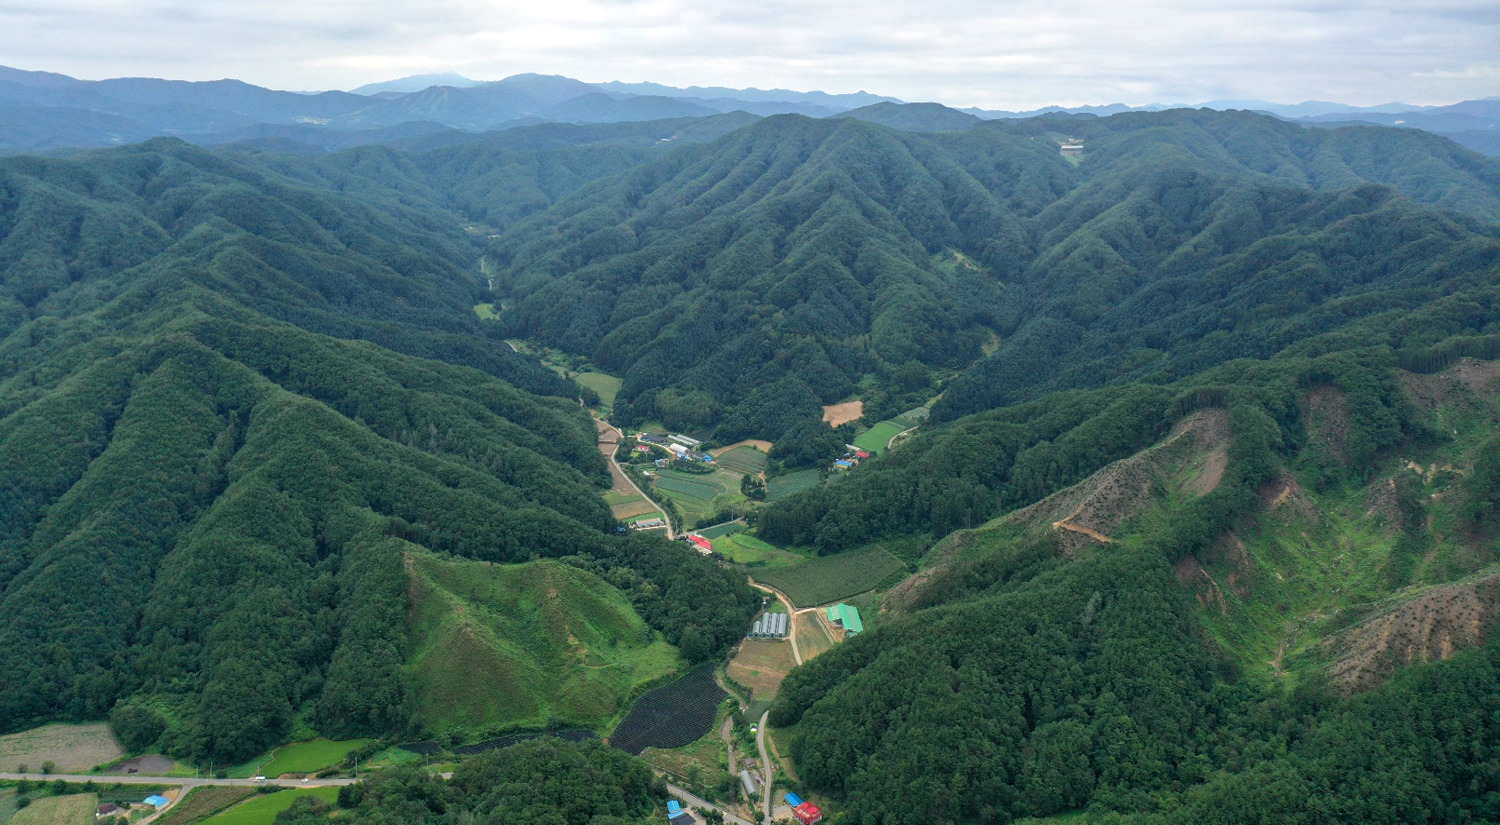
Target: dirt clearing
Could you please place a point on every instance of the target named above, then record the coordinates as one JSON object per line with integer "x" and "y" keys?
{"x": 72, "y": 748}
{"x": 836, "y": 414}
{"x": 761, "y": 665}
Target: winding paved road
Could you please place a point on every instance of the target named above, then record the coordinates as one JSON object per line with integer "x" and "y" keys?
{"x": 615, "y": 468}
{"x": 698, "y": 802}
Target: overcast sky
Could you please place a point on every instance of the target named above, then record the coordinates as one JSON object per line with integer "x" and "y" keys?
{"x": 990, "y": 53}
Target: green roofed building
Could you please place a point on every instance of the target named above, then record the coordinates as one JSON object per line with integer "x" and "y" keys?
{"x": 847, "y": 617}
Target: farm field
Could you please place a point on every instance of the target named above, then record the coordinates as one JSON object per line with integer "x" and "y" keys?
{"x": 631, "y": 509}
{"x": 486, "y": 312}
{"x": 72, "y": 748}
{"x": 71, "y": 809}
{"x": 874, "y": 439}
{"x": 202, "y": 802}
{"x": 671, "y": 716}
{"x": 746, "y": 460}
{"x": 524, "y": 645}
{"x": 311, "y": 756}
{"x": 607, "y": 386}
{"x": 706, "y": 755}
{"x": 741, "y": 548}
{"x": 761, "y": 665}
{"x": 783, "y": 486}
{"x": 832, "y": 578}
{"x": 263, "y": 809}
{"x": 836, "y": 414}
{"x": 812, "y": 636}
{"x": 695, "y": 494}
{"x": 721, "y": 530}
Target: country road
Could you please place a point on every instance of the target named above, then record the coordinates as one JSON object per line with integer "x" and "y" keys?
{"x": 767, "y": 771}
{"x": 698, "y": 802}
{"x": 186, "y": 782}
{"x": 619, "y": 472}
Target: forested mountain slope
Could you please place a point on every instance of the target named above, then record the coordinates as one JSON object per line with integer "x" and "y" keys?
{"x": 1172, "y": 636}
{"x": 228, "y": 404}
{"x": 848, "y": 258}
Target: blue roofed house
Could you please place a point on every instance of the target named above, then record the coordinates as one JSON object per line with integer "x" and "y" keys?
{"x": 158, "y": 801}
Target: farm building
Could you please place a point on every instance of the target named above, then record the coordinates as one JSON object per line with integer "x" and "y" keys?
{"x": 749, "y": 783}
{"x": 770, "y": 626}
{"x": 106, "y": 809}
{"x": 842, "y": 463}
{"x": 652, "y": 439}
{"x": 158, "y": 801}
{"x": 847, "y": 617}
{"x": 703, "y": 544}
{"x": 690, "y": 443}
{"x": 648, "y": 524}
{"x": 676, "y": 815}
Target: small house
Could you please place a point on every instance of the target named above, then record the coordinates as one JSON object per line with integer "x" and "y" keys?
{"x": 106, "y": 809}
{"x": 704, "y": 545}
{"x": 158, "y": 801}
{"x": 808, "y": 814}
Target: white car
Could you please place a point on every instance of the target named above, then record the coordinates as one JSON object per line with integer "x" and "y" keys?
{"x": 260, "y": 779}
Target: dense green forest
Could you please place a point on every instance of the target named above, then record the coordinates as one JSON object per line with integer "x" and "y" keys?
{"x": 543, "y": 782}
{"x": 229, "y": 404}
{"x": 854, "y": 259}
{"x": 1202, "y": 528}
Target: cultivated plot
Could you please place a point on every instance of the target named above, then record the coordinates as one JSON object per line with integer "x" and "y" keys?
{"x": 71, "y": 748}
{"x": 833, "y": 578}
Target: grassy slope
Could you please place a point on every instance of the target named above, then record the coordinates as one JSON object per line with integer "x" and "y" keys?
{"x": 311, "y": 756}
{"x": 510, "y": 646}
{"x": 876, "y": 438}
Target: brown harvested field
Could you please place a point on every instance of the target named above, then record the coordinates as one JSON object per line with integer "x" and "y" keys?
{"x": 72, "y": 748}
{"x": 836, "y": 414}
{"x": 639, "y": 507}
{"x": 763, "y": 446}
{"x": 761, "y": 665}
{"x": 813, "y": 639}
{"x": 72, "y": 809}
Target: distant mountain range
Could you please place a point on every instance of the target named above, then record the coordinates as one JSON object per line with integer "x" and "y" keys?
{"x": 47, "y": 112}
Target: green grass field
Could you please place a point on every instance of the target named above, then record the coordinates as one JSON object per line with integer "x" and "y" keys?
{"x": 310, "y": 757}
{"x": 71, "y": 809}
{"x": 524, "y": 645}
{"x": 202, "y": 802}
{"x": 874, "y": 439}
{"x": 782, "y": 486}
{"x": 607, "y": 386}
{"x": 746, "y": 460}
{"x": 832, "y": 578}
{"x": 741, "y": 548}
{"x": 262, "y": 810}
{"x": 683, "y": 484}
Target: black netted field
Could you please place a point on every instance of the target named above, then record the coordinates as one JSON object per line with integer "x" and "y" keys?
{"x": 672, "y": 716}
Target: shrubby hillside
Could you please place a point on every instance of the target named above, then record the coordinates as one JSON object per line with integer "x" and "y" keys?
{"x": 229, "y": 404}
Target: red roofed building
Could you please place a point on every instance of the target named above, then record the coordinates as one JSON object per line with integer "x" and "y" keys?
{"x": 861, "y": 454}
{"x": 703, "y": 544}
{"x": 808, "y": 814}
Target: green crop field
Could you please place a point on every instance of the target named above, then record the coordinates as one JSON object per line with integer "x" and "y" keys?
{"x": 201, "y": 802}
{"x": 832, "y": 578}
{"x": 262, "y": 810}
{"x": 607, "y": 386}
{"x": 874, "y": 439}
{"x": 71, "y": 809}
{"x": 783, "y": 486}
{"x": 747, "y": 460}
{"x": 721, "y": 530}
{"x": 311, "y": 756}
{"x": 689, "y": 485}
{"x": 742, "y": 548}
{"x": 506, "y": 646}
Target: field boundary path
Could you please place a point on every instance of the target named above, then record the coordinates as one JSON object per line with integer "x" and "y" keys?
{"x": 892, "y": 442}
{"x": 620, "y": 474}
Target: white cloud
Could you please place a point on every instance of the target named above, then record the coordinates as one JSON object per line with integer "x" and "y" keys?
{"x": 1004, "y": 54}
